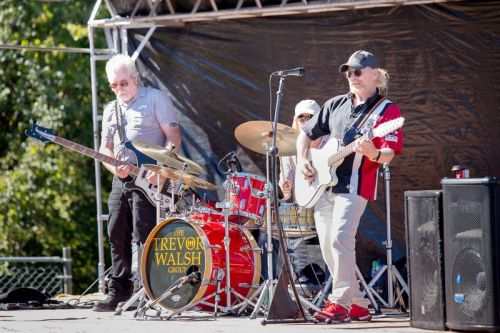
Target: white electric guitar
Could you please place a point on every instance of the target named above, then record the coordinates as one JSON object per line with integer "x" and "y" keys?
{"x": 327, "y": 159}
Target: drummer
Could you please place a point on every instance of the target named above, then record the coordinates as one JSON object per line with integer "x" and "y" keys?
{"x": 304, "y": 110}
{"x": 307, "y": 265}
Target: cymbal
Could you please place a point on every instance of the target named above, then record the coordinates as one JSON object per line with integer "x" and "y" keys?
{"x": 186, "y": 178}
{"x": 167, "y": 157}
{"x": 255, "y": 134}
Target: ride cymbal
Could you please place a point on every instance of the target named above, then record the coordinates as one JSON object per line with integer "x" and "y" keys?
{"x": 257, "y": 136}
{"x": 183, "y": 177}
{"x": 168, "y": 158}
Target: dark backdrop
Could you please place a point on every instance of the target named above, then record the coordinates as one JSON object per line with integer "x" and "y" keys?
{"x": 443, "y": 60}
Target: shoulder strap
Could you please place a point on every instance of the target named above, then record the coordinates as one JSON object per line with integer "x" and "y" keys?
{"x": 119, "y": 122}
{"x": 367, "y": 115}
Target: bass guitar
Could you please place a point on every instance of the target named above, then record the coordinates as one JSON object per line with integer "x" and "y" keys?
{"x": 139, "y": 181}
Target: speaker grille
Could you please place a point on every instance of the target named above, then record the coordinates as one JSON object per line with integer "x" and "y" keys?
{"x": 471, "y": 263}
{"x": 425, "y": 258}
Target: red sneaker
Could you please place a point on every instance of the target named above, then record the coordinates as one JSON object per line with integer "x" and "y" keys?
{"x": 333, "y": 312}
{"x": 359, "y": 313}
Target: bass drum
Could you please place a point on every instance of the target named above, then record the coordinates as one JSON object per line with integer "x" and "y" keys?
{"x": 176, "y": 248}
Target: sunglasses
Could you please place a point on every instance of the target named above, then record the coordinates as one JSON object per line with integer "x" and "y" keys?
{"x": 356, "y": 72}
{"x": 304, "y": 117}
{"x": 122, "y": 84}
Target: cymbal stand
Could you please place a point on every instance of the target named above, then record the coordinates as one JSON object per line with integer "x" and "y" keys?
{"x": 220, "y": 276}
{"x": 267, "y": 287}
{"x": 392, "y": 272}
{"x": 226, "y": 206}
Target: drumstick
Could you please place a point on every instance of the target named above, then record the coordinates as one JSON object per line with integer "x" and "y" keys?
{"x": 282, "y": 171}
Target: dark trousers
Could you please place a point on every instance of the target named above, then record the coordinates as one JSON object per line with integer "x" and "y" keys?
{"x": 131, "y": 219}
{"x": 262, "y": 241}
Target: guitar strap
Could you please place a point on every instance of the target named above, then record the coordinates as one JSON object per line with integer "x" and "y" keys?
{"x": 367, "y": 115}
{"x": 120, "y": 126}
{"x": 353, "y": 131}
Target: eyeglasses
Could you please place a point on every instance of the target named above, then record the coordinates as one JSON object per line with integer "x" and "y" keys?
{"x": 357, "y": 73}
{"x": 122, "y": 84}
{"x": 304, "y": 117}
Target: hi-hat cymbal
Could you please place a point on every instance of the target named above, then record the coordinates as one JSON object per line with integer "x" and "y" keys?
{"x": 167, "y": 157}
{"x": 257, "y": 135}
{"x": 185, "y": 178}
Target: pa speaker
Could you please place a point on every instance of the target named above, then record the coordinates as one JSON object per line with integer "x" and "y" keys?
{"x": 471, "y": 212}
{"x": 424, "y": 250}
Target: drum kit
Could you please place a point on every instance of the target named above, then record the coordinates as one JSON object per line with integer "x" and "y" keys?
{"x": 205, "y": 258}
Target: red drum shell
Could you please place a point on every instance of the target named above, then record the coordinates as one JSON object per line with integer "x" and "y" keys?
{"x": 249, "y": 205}
{"x": 176, "y": 247}
{"x": 206, "y": 214}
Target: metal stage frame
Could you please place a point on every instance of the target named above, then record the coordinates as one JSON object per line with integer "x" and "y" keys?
{"x": 150, "y": 14}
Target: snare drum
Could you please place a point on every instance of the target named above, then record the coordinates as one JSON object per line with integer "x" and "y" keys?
{"x": 176, "y": 248}
{"x": 247, "y": 196}
{"x": 296, "y": 221}
{"x": 206, "y": 213}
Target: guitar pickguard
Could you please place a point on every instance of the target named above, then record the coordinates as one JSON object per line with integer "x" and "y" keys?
{"x": 151, "y": 191}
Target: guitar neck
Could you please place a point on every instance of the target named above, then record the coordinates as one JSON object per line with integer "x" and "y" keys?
{"x": 94, "y": 154}
{"x": 344, "y": 152}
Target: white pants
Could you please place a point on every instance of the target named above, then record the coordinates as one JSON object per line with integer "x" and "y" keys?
{"x": 337, "y": 218}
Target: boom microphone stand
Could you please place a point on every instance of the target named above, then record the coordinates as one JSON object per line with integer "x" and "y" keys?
{"x": 268, "y": 285}
{"x": 392, "y": 272}
{"x": 294, "y": 311}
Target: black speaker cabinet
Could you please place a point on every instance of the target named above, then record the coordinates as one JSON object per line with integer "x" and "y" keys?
{"x": 471, "y": 216}
{"x": 424, "y": 250}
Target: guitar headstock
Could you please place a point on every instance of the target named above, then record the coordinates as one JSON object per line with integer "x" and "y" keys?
{"x": 388, "y": 127}
{"x": 40, "y": 133}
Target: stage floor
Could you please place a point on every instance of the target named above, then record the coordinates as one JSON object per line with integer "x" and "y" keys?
{"x": 83, "y": 320}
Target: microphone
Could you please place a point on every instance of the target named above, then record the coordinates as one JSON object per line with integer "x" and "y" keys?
{"x": 299, "y": 71}
{"x": 233, "y": 164}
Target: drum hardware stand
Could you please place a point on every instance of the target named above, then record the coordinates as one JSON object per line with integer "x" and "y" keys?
{"x": 182, "y": 281}
{"x": 392, "y": 272}
{"x": 320, "y": 297}
{"x": 227, "y": 206}
{"x": 220, "y": 276}
{"x": 267, "y": 288}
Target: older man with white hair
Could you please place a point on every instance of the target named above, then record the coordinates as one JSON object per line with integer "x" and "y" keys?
{"x": 137, "y": 114}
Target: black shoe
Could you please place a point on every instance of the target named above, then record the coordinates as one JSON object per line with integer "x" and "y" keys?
{"x": 110, "y": 303}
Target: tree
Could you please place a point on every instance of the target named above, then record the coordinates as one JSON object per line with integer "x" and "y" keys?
{"x": 47, "y": 193}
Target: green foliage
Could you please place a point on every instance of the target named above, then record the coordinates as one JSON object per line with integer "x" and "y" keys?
{"x": 47, "y": 193}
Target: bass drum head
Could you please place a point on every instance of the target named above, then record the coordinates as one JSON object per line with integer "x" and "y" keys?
{"x": 174, "y": 249}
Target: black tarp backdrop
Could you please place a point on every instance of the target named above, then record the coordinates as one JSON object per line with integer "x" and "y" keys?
{"x": 443, "y": 59}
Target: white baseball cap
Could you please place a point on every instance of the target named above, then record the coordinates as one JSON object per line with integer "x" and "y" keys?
{"x": 308, "y": 106}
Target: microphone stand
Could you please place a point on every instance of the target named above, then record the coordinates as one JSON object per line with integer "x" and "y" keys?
{"x": 273, "y": 150}
{"x": 393, "y": 274}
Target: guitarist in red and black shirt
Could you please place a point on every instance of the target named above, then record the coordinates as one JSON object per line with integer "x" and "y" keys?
{"x": 339, "y": 209}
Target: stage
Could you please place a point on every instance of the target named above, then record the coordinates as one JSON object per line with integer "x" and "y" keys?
{"x": 80, "y": 320}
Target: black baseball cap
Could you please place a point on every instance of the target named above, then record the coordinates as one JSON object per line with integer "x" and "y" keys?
{"x": 359, "y": 60}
